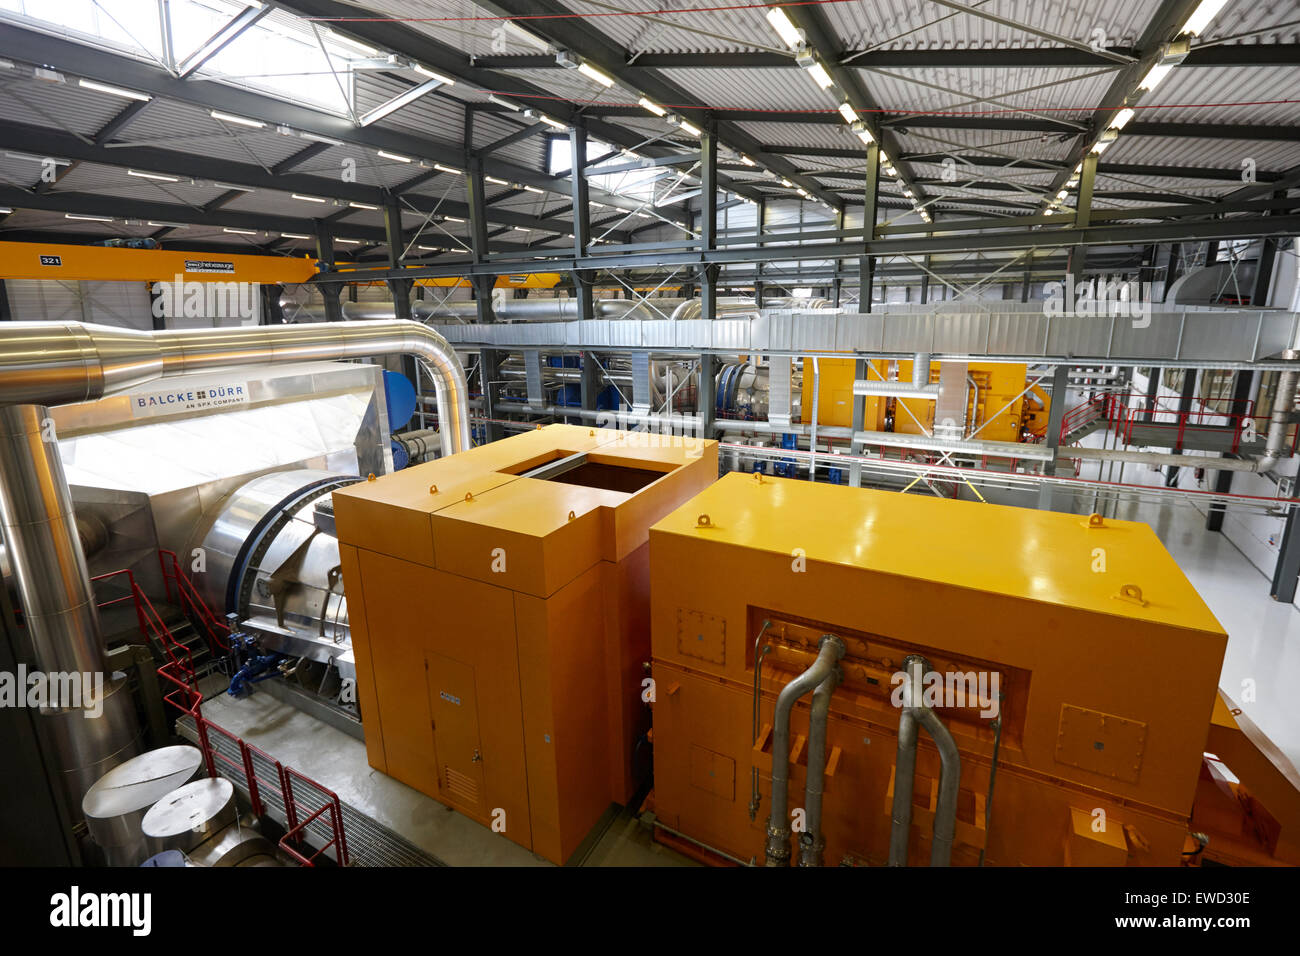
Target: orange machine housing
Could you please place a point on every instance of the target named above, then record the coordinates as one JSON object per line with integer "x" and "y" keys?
{"x": 996, "y": 407}
{"x": 1107, "y": 663}
{"x": 500, "y": 622}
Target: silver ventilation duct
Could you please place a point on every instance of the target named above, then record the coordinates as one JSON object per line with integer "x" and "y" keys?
{"x": 56, "y": 363}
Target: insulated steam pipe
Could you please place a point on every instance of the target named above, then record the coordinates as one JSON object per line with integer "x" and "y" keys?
{"x": 829, "y": 652}
{"x": 812, "y": 845}
{"x": 915, "y": 714}
{"x": 57, "y": 363}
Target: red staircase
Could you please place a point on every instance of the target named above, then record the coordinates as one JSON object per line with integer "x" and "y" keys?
{"x": 273, "y": 780}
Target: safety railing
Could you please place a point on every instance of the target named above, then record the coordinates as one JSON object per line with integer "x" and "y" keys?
{"x": 1176, "y": 425}
{"x": 180, "y": 589}
{"x": 278, "y": 782}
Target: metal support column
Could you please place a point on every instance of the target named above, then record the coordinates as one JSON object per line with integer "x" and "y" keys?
{"x": 760, "y": 217}
{"x": 1287, "y": 570}
{"x": 1185, "y": 396}
{"x": 1047, "y": 495}
{"x": 709, "y": 219}
{"x": 1171, "y": 268}
{"x": 705, "y": 395}
{"x": 330, "y": 291}
{"x": 1242, "y": 383}
{"x": 581, "y": 218}
{"x": 489, "y": 370}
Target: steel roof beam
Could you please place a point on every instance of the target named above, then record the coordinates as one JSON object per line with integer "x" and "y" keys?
{"x": 1238, "y": 54}
{"x": 29, "y": 46}
{"x": 1013, "y": 238}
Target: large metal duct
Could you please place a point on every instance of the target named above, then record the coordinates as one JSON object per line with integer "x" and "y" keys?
{"x": 48, "y": 564}
{"x": 55, "y": 363}
{"x": 919, "y": 388}
{"x": 512, "y": 310}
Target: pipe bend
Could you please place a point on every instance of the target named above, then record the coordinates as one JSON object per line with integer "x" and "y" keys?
{"x": 47, "y": 363}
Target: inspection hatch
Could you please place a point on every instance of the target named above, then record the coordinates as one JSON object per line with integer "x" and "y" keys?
{"x": 1101, "y": 743}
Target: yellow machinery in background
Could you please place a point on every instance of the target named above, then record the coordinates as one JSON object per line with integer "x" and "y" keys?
{"x": 995, "y": 395}
{"x": 499, "y": 605}
{"x": 1077, "y": 671}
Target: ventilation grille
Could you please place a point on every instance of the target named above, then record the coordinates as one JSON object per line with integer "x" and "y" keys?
{"x": 461, "y": 788}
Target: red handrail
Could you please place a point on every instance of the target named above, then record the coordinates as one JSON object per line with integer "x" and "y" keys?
{"x": 188, "y": 699}
{"x": 192, "y": 603}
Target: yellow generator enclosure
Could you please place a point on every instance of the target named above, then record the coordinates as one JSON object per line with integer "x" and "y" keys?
{"x": 994, "y": 406}
{"x": 1084, "y": 663}
{"x": 499, "y": 604}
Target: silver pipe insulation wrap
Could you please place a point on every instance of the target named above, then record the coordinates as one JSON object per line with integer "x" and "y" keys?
{"x": 829, "y": 652}
{"x": 915, "y": 714}
{"x": 58, "y": 363}
{"x": 44, "y": 547}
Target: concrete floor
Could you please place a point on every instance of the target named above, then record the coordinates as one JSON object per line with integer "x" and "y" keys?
{"x": 1263, "y": 634}
{"x": 1263, "y": 646}
{"x": 338, "y": 761}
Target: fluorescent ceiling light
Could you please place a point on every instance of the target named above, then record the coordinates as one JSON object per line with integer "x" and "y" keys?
{"x": 363, "y": 205}
{"x": 452, "y": 219}
{"x": 327, "y": 140}
{"x": 499, "y": 182}
{"x": 395, "y": 157}
{"x": 866, "y": 137}
{"x": 1101, "y": 145}
{"x": 1122, "y": 118}
{"x": 167, "y": 225}
{"x": 787, "y": 183}
{"x": 519, "y": 33}
{"x": 240, "y": 120}
{"x": 847, "y": 112}
{"x": 1200, "y": 19}
{"x": 240, "y": 232}
{"x": 349, "y": 242}
{"x": 508, "y": 104}
{"x": 293, "y": 235}
{"x": 820, "y": 76}
{"x": 653, "y": 107}
{"x": 355, "y": 44}
{"x": 689, "y": 128}
{"x": 551, "y": 121}
{"x": 786, "y": 30}
{"x": 448, "y": 169}
{"x": 908, "y": 193}
{"x": 1062, "y": 195}
{"x": 309, "y": 198}
{"x": 534, "y": 189}
{"x": 746, "y": 160}
{"x": 433, "y": 75}
{"x": 1155, "y": 75}
{"x": 157, "y": 176}
{"x": 241, "y": 189}
{"x": 115, "y": 91}
{"x": 68, "y": 215}
{"x": 38, "y": 159}
{"x": 587, "y": 70}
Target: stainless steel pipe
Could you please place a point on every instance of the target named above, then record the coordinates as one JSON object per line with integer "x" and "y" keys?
{"x": 916, "y": 714}
{"x": 812, "y": 845}
{"x": 56, "y": 363}
{"x": 829, "y": 652}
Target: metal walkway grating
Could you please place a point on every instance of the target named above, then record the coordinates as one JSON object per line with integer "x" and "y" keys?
{"x": 369, "y": 843}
